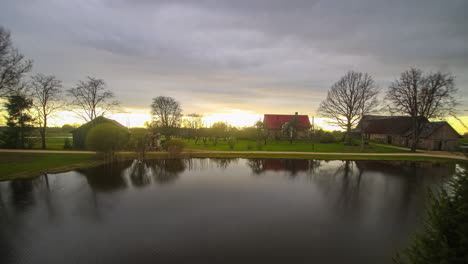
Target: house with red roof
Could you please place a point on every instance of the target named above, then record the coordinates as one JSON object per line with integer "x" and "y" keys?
{"x": 275, "y": 124}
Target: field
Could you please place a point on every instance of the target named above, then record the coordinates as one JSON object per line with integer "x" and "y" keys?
{"x": 296, "y": 146}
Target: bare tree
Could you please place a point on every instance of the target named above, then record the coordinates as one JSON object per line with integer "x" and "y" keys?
{"x": 91, "y": 99}
{"x": 353, "y": 96}
{"x": 422, "y": 97}
{"x": 47, "y": 98}
{"x": 13, "y": 66}
{"x": 193, "y": 122}
{"x": 167, "y": 114}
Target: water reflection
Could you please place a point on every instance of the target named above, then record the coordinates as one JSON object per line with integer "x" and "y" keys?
{"x": 106, "y": 178}
{"x": 268, "y": 209}
{"x": 291, "y": 166}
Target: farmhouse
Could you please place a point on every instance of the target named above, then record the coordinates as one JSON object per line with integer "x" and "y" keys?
{"x": 274, "y": 124}
{"x": 396, "y": 130}
{"x": 79, "y": 134}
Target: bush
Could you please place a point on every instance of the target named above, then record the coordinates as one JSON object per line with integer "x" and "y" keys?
{"x": 327, "y": 137}
{"x": 107, "y": 138}
{"x": 174, "y": 146}
{"x": 444, "y": 238}
{"x": 67, "y": 144}
{"x": 232, "y": 143}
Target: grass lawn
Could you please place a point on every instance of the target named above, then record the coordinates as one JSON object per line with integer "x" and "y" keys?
{"x": 463, "y": 141}
{"x": 55, "y": 143}
{"x": 299, "y": 146}
{"x": 17, "y": 165}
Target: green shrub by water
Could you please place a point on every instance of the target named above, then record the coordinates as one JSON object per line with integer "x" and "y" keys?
{"x": 444, "y": 238}
{"x": 107, "y": 138}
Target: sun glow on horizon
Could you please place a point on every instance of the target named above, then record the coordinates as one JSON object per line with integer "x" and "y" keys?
{"x": 135, "y": 117}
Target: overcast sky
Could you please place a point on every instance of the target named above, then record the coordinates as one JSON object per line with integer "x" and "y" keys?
{"x": 264, "y": 56}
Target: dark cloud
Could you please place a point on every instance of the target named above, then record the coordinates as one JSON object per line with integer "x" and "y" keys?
{"x": 243, "y": 53}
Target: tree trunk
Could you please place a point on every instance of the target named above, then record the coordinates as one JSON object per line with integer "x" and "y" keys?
{"x": 415, "y": 136}
{"x": 43, "y": 137}
{"x": 348, "y": 134}
{"x": 362, "y": 140}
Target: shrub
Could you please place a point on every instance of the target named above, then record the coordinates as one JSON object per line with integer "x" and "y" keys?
{"x": 327, "y": 137}
{"x": 67, "y": 144}
{"x": 107, "y": 138}
{"x": 174, "y": 146}
{"x": 444, "y": 238}
{"x": 232, "y": 143}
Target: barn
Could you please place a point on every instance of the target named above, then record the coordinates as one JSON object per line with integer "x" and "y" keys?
{"x": 396, "y": 130}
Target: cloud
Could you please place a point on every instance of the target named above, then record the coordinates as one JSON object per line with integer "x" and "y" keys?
{"x": 259, "y": 55}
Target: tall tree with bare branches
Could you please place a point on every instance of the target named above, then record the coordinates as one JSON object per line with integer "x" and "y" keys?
{"x": 353, "y": 96}
{"x": 167, "y": 114}
{"x": 91, "y": 99}
{"x": 47, "y": 99}
{"x": 422, "y": 97}
{"x": 13, "y": 66}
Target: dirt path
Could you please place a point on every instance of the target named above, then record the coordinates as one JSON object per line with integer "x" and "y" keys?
{"x": 435, "y": 154}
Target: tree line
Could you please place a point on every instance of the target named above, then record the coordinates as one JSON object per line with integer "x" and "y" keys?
{"x": 421, "y": 96}
{"x": 31, "y": 102}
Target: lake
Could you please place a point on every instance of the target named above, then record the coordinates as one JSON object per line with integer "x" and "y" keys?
{"x": 217, "y": 211}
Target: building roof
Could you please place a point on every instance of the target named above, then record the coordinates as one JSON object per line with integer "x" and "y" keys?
{"x": 431, "y": 127}
{"x": 277, "y": 121}
{"x": 396, "y": 125}
{"x": 392, "y": 125}
{"x": 97, "y": 120}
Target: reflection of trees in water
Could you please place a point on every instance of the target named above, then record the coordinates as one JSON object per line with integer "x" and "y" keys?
{"x": 256, "y": 165}
{"x": 22, "y": 193}
{"x": 139, "y": 173}
{"x": 166, "y": 170}
{"x": 223, "y": 163}
{"x": 292, "y": 166}
{"x": 6, "y": 247}
{"x": 106, "y": 178}
{"x": 413, "y": 180}
{"x": 17, "y": 199}
{"x": 348, "y": 182}
{"x": 397, "y": 187}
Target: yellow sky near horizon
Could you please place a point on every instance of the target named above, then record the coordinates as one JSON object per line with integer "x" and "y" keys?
{"x": 134, "y": 117}
{"x": 137, "y": 118}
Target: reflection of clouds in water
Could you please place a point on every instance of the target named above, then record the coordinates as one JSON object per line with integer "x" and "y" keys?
{"x": 350, "y": 202}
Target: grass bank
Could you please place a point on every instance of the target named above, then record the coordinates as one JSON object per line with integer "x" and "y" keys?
{"x": 24, "y": 165}
{"x": 27, "y": 165}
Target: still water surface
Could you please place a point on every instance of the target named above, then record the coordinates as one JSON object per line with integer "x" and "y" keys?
{"x": 217, "y": 211}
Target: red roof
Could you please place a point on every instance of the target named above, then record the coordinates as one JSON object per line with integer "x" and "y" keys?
{"x": 277, "y": 121}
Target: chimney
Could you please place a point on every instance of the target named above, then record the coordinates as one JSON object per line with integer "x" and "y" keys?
{"x": 296, "y": 113}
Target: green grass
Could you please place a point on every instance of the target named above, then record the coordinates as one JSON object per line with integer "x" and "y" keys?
{"x": 56, "y": 143}
{"x": 297, "y": 146}
{"x": 18, "y": 165}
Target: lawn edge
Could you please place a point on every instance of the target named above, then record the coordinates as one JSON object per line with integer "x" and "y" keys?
{"x": 125, "y": 156}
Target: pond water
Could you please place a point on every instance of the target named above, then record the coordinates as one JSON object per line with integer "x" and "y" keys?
{"x": 217, "y": 211}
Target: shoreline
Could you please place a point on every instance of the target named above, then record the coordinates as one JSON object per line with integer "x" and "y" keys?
{"x": 124, "y": 156}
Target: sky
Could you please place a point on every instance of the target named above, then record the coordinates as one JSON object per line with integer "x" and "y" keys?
{"x": 236, "y": 60}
